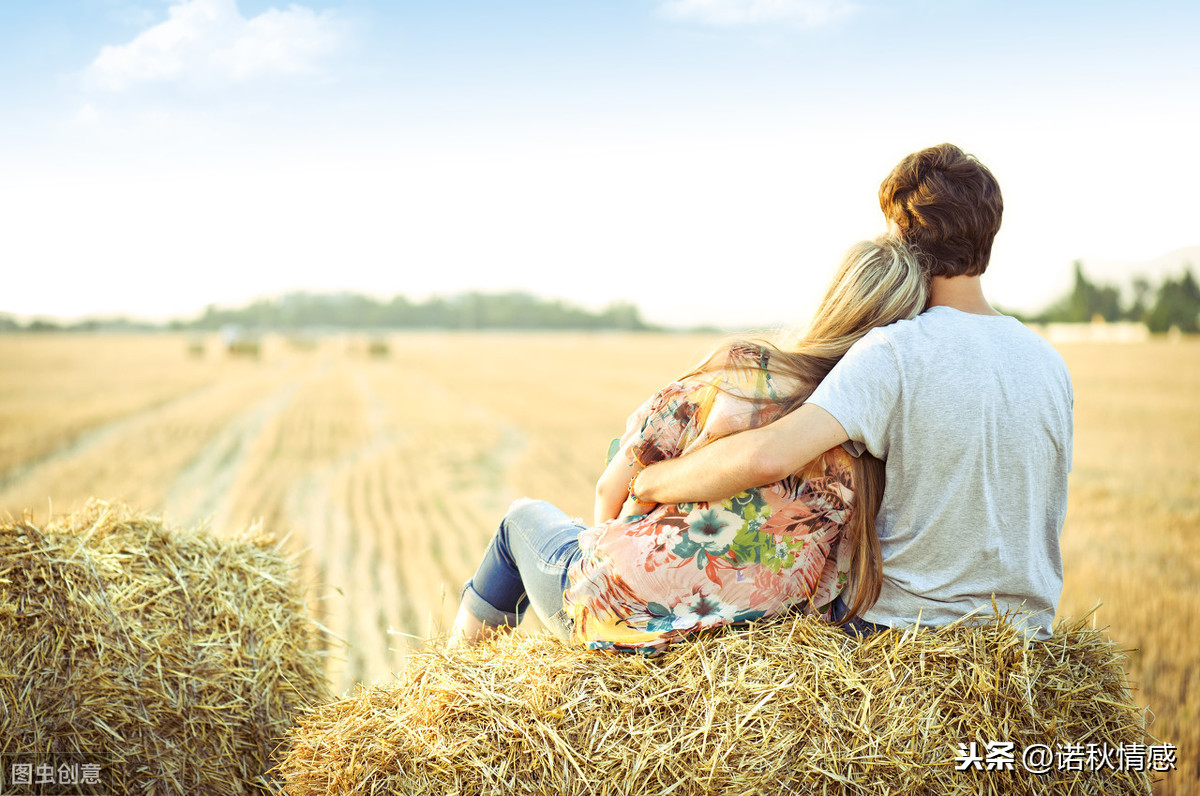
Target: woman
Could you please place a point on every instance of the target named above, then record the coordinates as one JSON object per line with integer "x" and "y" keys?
{"x": 642, "y": 575}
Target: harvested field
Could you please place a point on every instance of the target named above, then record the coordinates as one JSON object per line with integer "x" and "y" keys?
{"x": 65, "y": 385}
{"x": 388, "y": 474}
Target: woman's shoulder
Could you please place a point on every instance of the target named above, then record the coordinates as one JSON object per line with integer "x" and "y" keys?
{"x": 837, "y": 460}
{"x": 739, "y": 367}
{"x": 742, "y": 356}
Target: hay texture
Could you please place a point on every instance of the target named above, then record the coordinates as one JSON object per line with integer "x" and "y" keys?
{"x": 786, "y": 707}
{"x": 175, "y": 661}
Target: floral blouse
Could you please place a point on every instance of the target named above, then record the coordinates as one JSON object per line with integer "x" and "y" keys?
{"x": 645, "y": 580}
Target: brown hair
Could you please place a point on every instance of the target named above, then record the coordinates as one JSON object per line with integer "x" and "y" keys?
{"x": 878, "y": 282}
{"x": 947, "y": 205}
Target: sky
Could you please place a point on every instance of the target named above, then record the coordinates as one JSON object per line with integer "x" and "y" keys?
{"x": 709, "y": 160}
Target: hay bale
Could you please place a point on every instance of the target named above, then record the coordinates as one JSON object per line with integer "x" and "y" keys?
{"x": 251, "y": 349}
{"x": 785, "y": 707}
{"x": 378, "y": 348}
{"x": 173, "y": 660}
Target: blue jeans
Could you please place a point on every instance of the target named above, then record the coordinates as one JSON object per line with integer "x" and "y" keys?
{"x": 526, "y": 565}
{"x": 857, "y": 626}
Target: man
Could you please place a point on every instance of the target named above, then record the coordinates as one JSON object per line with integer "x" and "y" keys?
{"x": 970, "y": 410}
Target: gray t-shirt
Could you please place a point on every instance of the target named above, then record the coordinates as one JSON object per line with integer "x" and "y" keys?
{"x": 972, "y": 415}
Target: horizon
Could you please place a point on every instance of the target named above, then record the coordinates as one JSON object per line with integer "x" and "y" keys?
{"x": 1171, "y": 265}
{"x": 164, "y": 155}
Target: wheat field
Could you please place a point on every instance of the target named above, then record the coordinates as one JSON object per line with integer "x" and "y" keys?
{"x": 387, "y": 474}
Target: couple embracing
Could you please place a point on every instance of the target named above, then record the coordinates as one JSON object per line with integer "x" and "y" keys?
{"x": 901, "y": 461}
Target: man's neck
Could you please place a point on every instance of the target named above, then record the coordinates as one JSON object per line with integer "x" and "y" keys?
{"x": 963, "y": 293}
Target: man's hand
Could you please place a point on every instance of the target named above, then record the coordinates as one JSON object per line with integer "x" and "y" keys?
{"x": 741, "y": 461}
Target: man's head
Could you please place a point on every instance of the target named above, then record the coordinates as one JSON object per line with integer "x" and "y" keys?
{"x": 947, "y": 205}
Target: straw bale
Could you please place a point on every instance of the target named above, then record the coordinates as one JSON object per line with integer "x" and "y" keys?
{"x": 176, "y": 661}
{"x": 790, "y": 706}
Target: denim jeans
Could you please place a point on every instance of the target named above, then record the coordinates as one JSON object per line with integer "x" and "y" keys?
{"x": 526, "y": 565}
{"x": 856, "y": 626}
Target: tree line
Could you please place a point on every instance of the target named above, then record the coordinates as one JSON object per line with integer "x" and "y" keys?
{"x": 1174, "y": 303}
{"x": 311, "y": 311}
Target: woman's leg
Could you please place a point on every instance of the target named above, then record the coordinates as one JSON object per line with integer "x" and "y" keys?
{"x": 525, "y": 565}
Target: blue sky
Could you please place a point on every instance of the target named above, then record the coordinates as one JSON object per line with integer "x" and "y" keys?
{"x": 708, "y": 159}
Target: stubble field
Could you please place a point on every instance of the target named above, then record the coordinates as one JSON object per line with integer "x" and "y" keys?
{"x": 387, "y": 474}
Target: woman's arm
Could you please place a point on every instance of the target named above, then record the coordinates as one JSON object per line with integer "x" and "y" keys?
{"x": 744, "y": 460}
{"x": 651, "y": 432}
{"x": 613, "y": 488}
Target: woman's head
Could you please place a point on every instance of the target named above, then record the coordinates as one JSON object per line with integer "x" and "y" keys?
{"x": 878, "y": 282}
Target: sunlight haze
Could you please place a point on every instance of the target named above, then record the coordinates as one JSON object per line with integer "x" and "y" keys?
{"x": 709, "y": 160}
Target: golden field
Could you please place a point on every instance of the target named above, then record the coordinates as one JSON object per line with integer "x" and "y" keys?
{"x": 387, "y": 474}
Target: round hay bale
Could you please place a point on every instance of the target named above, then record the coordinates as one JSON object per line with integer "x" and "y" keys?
{"x": 792, "y": 706}
{"x": 172, "y": 661}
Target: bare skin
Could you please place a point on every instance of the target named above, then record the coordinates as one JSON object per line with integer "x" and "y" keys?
{"x": 612, "y": 489}
{"x": 763, "y": 455}
{"x": 963, "y": 293}
{"x": 469, "y": 631}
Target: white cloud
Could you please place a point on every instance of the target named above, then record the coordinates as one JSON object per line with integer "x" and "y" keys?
{"x": 87, "y": 114}
{"x": 210, "y": 42}
{"x": 732, "y": 13}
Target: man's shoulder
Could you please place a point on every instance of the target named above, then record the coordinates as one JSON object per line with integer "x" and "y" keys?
{"x": 938, "y": 324}
{"x": 943, "y": 339}
{"x": 933, "y": 322}
{"x": 896, "y": 338}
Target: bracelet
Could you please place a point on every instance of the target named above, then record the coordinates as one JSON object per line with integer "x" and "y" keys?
{"x": 633, "y": 491}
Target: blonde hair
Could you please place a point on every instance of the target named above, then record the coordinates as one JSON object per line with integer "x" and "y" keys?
{"x": 877, "y": 283}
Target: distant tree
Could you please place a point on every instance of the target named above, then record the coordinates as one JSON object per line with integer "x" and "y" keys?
{"x": 1177, "y": 304}
{"x": 1085, "y": 301}
{"x": 210, "y": 320}
{"x": 624, "y": 315}
{"x": 1142, "y": 290}
{"x": 474, "y": 310}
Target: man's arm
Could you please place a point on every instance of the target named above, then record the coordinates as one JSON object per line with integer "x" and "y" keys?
{"x": 741, "y": 461}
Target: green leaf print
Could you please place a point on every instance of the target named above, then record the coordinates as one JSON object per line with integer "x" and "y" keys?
{"x": 750, "y": 544}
